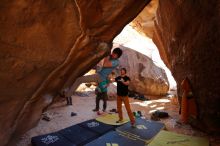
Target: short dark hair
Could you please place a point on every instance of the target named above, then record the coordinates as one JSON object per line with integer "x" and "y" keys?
{"x": 117, "y": 51}
{"x": 124, "y": 69}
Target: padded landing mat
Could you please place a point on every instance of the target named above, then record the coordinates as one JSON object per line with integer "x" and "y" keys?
{"x": 110, "y": 119}
{"x": 165, "y": 138}
{"x": 53, "y": 139}
{"x": 145, "y": 129}
{"x": 78, "y": 135}
{"x": 96, "y": 126}
{"x": 115, "y": 139}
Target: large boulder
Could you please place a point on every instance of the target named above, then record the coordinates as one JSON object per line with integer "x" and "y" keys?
{"x": 45, "y": 43}
{"x": 146, "y": 77}
{"x": 187, "y": 34}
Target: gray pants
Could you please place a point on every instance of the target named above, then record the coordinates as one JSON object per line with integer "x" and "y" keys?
{"x": 83, "y": 79}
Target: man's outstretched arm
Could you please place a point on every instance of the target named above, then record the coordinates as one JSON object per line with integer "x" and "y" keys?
{"x": 126, "y": 82}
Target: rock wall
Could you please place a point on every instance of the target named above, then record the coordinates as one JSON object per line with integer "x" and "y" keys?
{"x": 144, "y": 22}
{"x": 187, "y": 35}
{"x": 146, "y": 77}
{"x": 43, "y": 44}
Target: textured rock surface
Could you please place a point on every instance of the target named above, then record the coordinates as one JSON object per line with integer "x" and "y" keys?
{"x": 187, "y": 35}
{"x": 42, "y": 43}
{"x": 146, "y": 77}
{"x": 144, "y": 22}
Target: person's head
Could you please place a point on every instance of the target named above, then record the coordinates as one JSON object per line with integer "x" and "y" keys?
{"x": 123, "y": 71}
{"x": 116, "y": 53}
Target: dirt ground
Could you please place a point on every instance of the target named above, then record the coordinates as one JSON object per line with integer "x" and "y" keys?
{"x": 84, "y": 103}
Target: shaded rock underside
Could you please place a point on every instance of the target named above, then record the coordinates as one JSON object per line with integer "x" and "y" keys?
{"x": 45, "y": 43}
{"x": 187, "y": 36}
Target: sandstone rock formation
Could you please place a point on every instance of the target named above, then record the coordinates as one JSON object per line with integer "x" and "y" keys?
{"x": 146, "y": 77}
{"x": 187, "y": 35}
{"x": 144, "y": 22}
{"x": 45, "y": 43}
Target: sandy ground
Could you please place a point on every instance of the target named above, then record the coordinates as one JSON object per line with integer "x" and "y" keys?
{"x": 83, "y": 105}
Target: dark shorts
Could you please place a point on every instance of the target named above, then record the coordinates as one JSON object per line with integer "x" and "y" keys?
{"x": 102, "y": 95}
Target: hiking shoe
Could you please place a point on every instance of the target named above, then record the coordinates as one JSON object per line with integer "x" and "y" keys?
{"x": 119, "y": 121}
{"x": 113, "y": 110}
{"x": 136, "y": 115}
{"x": 140, "y": 114}
{"x": 73, "y": 114}
{"x": 95, "y": 110}
{"x": 133, "y": 125}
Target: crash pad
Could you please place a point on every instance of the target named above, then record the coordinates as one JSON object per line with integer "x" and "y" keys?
{"x": 78, "y": 135}
{"x": 52, "y": 139}
{"x": 110, "y": 119}
{"x": 115, "y": 139}
{"x": 145, "y": 129}
{"x": 166, "y": 138}
{"x": 96, "y": 126}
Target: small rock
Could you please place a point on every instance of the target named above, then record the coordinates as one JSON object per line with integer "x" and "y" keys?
{"x": 73, "y": 114}
{"x": 46, "y": 118}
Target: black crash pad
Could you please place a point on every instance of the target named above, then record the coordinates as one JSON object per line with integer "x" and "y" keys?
{"x": 96, "y": 126}
{"x": 145, "y": 129}
{"x": 113, "y": 138}
{"x": 52, "y": 139}
{"x": 78, "y": 135}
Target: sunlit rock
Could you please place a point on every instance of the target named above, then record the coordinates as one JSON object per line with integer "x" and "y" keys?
{"x": 146, "y": 77}
{"x": 144, "y": 22}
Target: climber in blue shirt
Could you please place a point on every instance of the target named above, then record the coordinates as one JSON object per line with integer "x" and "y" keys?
{"x": 110, "y": 63}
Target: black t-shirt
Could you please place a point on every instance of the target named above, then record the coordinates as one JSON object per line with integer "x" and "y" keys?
{"x": 122, "y": 89}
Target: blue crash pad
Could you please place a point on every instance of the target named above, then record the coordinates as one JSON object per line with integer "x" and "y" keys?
{"x": 113, "y": 138}
{"x": 78, "y": 135}
{"x": 96, "y": 126}
{"x": 145, "y": 129}
{"x": 52, "y": 139}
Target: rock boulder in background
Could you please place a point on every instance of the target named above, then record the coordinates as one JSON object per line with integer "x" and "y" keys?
{"x": 146, "y": 77}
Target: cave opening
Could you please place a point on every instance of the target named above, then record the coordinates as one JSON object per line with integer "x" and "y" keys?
{"x": 131, "y": 39}
{"x": 144, "y": 68}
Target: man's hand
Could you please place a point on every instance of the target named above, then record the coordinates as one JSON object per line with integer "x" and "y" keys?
{"x": 125, "y": 82}
{"x": 102, "y": 49}
{"x": 121, "y": 80}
